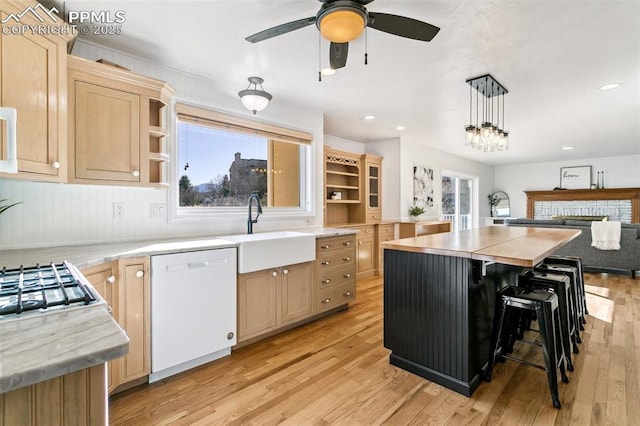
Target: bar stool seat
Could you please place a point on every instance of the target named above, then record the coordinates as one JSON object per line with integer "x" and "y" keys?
{"x": 513, "y": 301}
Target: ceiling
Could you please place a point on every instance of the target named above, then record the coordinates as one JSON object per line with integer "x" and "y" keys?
{"x": 552, "y": 56}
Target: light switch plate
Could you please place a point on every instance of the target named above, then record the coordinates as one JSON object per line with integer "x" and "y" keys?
{"x": 158, "y": 211}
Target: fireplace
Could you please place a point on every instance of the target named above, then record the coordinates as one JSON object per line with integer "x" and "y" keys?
{"x": 622, "y": 204}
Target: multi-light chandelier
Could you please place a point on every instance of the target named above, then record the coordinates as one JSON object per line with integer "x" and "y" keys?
{"x": 489, "y": 135}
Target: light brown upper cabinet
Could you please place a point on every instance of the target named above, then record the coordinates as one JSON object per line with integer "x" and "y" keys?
{"x": 370, "y": 210}
{"x": 117, "y": 125}
{"x": 33, "y": 80}
{"x": 352, "y": 188}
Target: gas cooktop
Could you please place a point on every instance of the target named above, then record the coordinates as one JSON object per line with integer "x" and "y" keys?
{"x": 42, "y": 289}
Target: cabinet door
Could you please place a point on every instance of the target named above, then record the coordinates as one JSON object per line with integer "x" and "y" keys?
{"x": 104, "y": 278}
{"x": 366, "y": 254}
{"x": 134, "y": 318}
{"x": 32, "y": 81}
{"x": 257, "y": 303}
{"x": 107, "y": 133}
{"x": 296, "y": 293}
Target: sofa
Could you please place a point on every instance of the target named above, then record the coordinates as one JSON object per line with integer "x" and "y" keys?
{"x": 626, "y": 260}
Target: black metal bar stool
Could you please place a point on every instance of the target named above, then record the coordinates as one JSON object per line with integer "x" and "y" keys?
{"x": 561, "y": 280}
{"x": 513, "y": 301}
{"x": 576, "y": 263}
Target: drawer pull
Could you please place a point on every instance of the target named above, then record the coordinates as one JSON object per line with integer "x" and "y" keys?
{"x": 347, "y": 294}
{"x": 286, "y": 271}
{"x": 326, "y": 262}
{"x": 328, "y": 246}
{"x": 274, "y": 274}
{"x": 327, "y": 281}
{"x": 347, "y": 275}
{"x": 359, "y": 242}
{"x": 325, "y": 301}
{"x": 346, "y": 243}
{"x": 346, "y": 259}
{"x": 111, "y": 279}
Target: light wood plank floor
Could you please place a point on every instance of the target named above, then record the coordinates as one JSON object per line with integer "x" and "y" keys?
{"x": 336, "y": 371}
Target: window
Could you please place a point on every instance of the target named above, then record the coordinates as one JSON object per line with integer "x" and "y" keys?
{"x": 223, "y": 159}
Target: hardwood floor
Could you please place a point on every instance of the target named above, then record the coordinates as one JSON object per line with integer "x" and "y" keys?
{"x": 336, "y": 371}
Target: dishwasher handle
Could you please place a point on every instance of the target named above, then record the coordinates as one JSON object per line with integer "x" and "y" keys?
{"x": 195, "y": 265}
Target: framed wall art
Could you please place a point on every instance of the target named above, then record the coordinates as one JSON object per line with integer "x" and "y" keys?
{"x": 423, "y": 188}
{"x": 575, "y": 177}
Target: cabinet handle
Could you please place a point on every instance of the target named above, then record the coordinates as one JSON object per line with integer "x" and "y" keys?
{"x": 326, "y": 247}
{"x": 359, "y": 243}
{"x": 347, "y": 275}
{"x": 55, "y": 165}
{"x": 346, "y": 243}
{"x": 111, "y": 279}
{"x": 274, "y": 274}
{"x": 286, "y": 271}
{"x": 326, "y": 262}
{"x": 325, "y": 301}
{"x": 136, "y": 173}
{"x": 140, "y": 274}
{"x": 346, "y": 259}
{"x": 347, "y": 294}
{"x": 327, "y": 281}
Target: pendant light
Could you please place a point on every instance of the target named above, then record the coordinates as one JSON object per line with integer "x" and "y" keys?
{"x": 490, "y": 135}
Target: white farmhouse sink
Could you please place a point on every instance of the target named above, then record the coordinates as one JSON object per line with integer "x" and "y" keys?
{"x": 272, "y": 249}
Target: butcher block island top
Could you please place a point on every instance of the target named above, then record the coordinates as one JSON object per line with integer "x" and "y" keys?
{"x": 521, "y": 246}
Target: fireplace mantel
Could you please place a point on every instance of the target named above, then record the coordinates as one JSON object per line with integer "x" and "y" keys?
{"x": 632, "y": 194}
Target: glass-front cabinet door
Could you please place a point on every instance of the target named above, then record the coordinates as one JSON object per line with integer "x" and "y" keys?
{"x": 373, "y": 182}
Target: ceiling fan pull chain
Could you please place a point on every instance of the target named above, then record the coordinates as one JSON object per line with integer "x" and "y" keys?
{"x": 319, "y": 57}
{"x": 366, "y": 45}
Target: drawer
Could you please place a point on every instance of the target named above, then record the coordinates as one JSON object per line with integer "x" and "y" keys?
{"x": 365, "y": 231}
{"x": 387, "y": 228}
{"x": 333, "y": 277}
{"x": 331, "y": 244}
{"x": 374, "y": 217}
{"x": 336, "y": 296}
{"x": 336, "y": 259}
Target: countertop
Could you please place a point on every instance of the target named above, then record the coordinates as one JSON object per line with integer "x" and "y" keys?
{"x": 39, "y": 346}
{"x": 508, "y": 245}
{"x": 86, "y": 255}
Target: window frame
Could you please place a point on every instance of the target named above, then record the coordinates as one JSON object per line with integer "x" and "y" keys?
{"x": 224, "y": 121}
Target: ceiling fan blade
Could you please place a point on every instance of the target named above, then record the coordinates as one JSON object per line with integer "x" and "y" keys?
{"x": 281, "y": 29}
{"x": 338, "y": 55}
{"x": 402, "y": 26}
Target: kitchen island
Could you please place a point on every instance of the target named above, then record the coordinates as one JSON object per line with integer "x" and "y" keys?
{"x": 439, "y": 296}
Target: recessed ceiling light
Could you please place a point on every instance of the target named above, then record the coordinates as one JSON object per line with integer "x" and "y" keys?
{"x": 568, "y": 148}
{"x": 610, "y": 86}
{"x": 369, "y": 117}
{"x": 400, "y": 128}
{"x": 327, "y": 71}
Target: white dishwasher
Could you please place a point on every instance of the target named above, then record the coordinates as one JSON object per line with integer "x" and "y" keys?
{"x": 193, "y": 309}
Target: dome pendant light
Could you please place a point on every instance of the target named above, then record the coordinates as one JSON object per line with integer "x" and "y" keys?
{"x": 255, "y": 99}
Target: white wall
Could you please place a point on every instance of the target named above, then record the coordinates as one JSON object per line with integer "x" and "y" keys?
{"x": 619, "y": 172}
{"x": 413, "y": 153}
{"x": 58, "y": 214}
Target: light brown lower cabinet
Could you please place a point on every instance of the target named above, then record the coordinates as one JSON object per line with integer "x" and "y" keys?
{"x": 77, "y": 398}
{"x": 126, "y": 288}
{"x": 272, "y": 298}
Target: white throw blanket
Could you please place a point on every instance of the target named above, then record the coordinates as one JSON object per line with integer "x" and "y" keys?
{"x": 605, "y": 235}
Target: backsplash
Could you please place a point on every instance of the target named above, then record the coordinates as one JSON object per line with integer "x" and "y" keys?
{"x": 619, "y": 210}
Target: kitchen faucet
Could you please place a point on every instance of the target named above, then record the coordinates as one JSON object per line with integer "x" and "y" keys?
{"x": 250, "y": 220}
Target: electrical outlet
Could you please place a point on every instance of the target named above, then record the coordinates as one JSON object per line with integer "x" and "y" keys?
{"x": 158, "y": 211}
{"x": 118, "y": 210}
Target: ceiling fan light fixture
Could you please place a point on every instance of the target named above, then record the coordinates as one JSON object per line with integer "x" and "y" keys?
{"x": 341, "y": 25}
{"x": 327, "y": 71}
{"x": 255, "y": 99}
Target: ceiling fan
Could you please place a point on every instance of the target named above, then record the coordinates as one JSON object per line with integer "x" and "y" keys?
{"x": 341, "y": 21}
